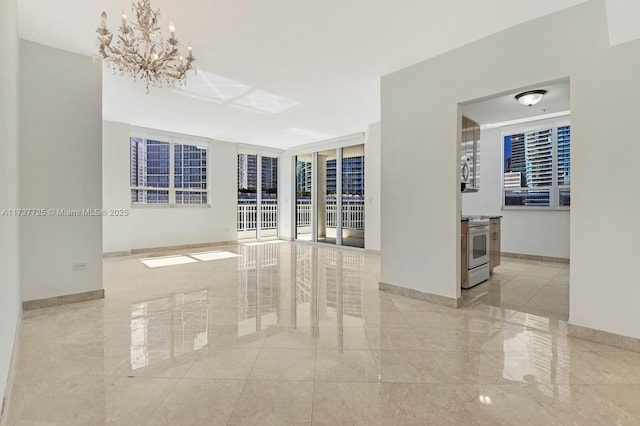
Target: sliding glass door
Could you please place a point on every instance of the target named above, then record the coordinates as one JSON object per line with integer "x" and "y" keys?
{"x": 326, "y": 203}
{"x": 269, "y": 197}
{"x": 304, "y": 175}
{"x": 247, "y": 196}
{"x": 352, "y": 190}
{"x": 257, "y": 210}
{"x": 330, "y": 196}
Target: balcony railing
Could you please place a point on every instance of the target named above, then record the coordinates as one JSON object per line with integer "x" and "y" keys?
{"x": 303, "y": 214}
{"x": 352, "y": 214}
{"x": 248, "y": 215}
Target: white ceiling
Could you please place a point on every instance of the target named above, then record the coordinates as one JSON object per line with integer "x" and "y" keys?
{"x": 505, "y": 107}
{"x": 310, "y": 70}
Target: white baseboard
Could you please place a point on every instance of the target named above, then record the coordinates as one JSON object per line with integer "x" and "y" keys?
{"x": 29, "y": 305}
{"x": 604, "y": 337}
{"x": 166, "y": 248}
{"x": 420, "y": 295}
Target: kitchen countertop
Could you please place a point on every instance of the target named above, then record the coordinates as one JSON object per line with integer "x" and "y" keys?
{"x": 465, "y": 218}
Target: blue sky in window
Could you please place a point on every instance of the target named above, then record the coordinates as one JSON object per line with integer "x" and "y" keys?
{"x": 507, "y": 150}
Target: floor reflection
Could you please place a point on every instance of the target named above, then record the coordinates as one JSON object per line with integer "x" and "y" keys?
{"x": 258, "y": 287}
{"x": 325, "y": 287}
{"x": 169, "y": 327}
{"x": 308, "y": 292}
{"x": 321, "y": 293}
{"x": 292, "y": 328}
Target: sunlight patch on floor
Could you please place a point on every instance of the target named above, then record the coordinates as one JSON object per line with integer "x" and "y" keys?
{"x": 157, "y": 262}
{"x": 213, "y": 255}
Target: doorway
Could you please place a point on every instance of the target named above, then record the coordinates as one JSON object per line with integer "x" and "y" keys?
{"x": 519, "y": 181}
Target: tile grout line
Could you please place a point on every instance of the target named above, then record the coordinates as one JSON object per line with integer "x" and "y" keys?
{"x": 313, "y": 383}
{"x": 246, "y": 380}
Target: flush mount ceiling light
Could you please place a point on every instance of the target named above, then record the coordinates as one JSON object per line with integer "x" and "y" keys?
{"x": 530, "y": 97}
{"x": 141, "y": 52}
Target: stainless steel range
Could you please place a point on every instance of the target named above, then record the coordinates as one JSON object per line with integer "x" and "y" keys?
{"x": 478, "y": 252}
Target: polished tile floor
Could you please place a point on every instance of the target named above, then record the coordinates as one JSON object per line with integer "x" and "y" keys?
{"x": 297, "y": 334}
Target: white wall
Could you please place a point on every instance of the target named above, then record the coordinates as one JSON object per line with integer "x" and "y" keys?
{"x": 534, "y": 232}
{"x": 116, "y": 169}
{"x": 604, "y": 236}
{"x": 419, "y": 183}
{"x": 150, "y": 227}
{"x": 622, "y": 17}
{"x": 420, "y": 156}
{"x": 9, "y": 226}
{"x": 60, "y": 168}
{"x": 372, "y": 187}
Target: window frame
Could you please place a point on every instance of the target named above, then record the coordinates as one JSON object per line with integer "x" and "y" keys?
{"x": 554, "y": 189}
{"x": 173, "y": 140}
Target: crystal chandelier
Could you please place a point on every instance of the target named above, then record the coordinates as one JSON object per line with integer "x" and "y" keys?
{"x": 141, "y": 52}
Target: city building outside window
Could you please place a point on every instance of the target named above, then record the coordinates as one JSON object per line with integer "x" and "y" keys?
{"x": 168, "y": 173}
{"x": 537, "y": 168}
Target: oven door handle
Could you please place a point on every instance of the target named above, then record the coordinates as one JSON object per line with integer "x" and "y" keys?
{"x": 479, "y": 230}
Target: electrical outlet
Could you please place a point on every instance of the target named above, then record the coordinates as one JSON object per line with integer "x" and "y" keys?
{"x": 81, "y": 266}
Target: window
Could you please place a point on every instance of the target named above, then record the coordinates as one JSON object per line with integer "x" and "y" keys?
{"x": 167, "y": 173}
{"x": 190, "y": 174}
{"x": 537, "y": 168}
